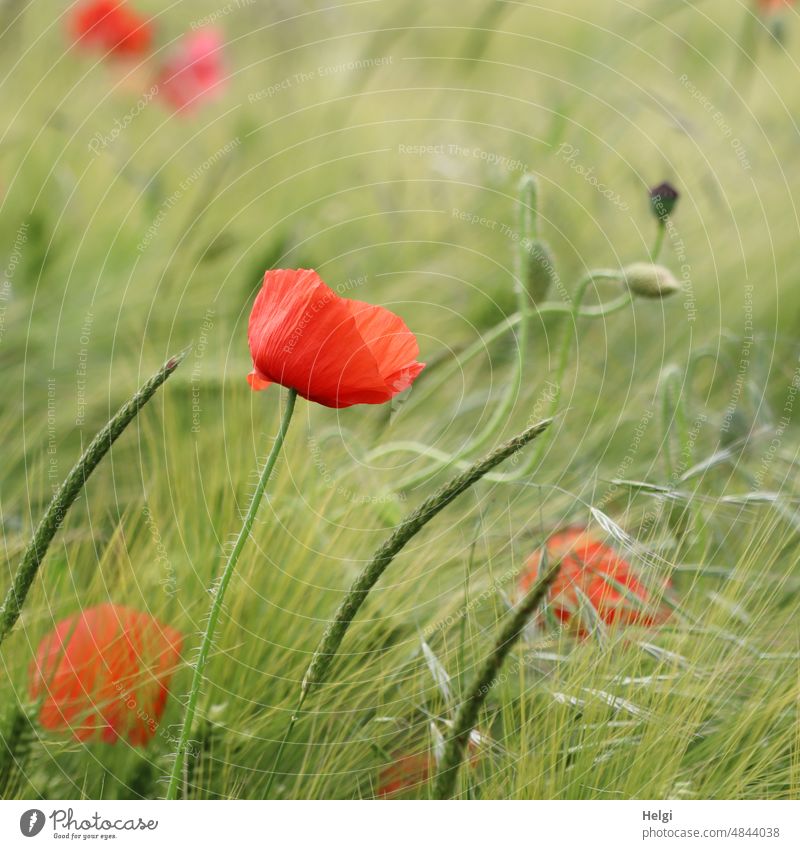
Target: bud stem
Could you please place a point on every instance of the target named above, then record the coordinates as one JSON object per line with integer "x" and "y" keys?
{"x": 600, "y": 311}
{"x": 564, "y": 350}
{"x": 659, "y": 241}
{"x": 528, "y": 215}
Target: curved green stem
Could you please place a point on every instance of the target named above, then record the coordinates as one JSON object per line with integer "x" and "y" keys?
{"x": 287, "y": 734}
{"x": 566, "y": 333}
{"x": 68, "y": 492}
{"x": 444, "y": 374}
{"x": 443, "y": 458}
{"x": 659, "y": 241}
{"x": 485, "y": 680}
{"x": 527, "y": 228}
{"x": 528, "y": 221}
{"x": 218, "y": 596}
{"x": 563, "y": 354}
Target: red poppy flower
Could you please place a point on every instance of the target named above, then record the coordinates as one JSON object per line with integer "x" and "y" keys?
{"x": 410, "y": 771}
{"x": 108, "y": 25}
{"x": 769, "y": 7}
{"x": 194, "y": 72}
{"x": 104, "y": 674}
{"x": 405, "y": 773}
{"x": 602, "y": 577}
{"x": 332, "y": 350}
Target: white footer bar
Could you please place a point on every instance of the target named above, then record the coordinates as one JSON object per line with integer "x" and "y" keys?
{"x": 402, "y": 825}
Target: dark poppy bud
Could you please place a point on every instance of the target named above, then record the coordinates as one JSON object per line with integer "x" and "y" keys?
{"x": 662, "y": 200}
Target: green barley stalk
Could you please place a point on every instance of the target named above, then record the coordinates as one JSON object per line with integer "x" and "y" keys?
{"x": 68, "y": 492}
{"x": 467, "y": 715}
{"x": 413, "y": 523}
{"x": 326, "y": 651}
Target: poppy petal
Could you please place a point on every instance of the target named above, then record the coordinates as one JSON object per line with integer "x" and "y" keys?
{"x": 600, "y": 573}
{"x": 331, "y": 350}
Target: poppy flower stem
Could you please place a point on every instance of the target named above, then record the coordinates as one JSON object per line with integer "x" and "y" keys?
{"x": 218, "y": 596}
{"x": 68, "y": 492}
{"x": 485, "y": 680}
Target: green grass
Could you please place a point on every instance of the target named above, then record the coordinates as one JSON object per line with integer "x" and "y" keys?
{"x": 704, "y": 707}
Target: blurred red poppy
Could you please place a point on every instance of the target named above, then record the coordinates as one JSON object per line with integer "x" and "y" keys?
{"x": 194, "y": 73}
{"x": 104, "y": 674}
{"x": 770, "y": 6}
{"x": 597, "y": 572}
{"x": 410, "y": 771}
{"x": 110, "y": 26}
{"x": 332, "y": 350}
{"x": 405, "y": 773}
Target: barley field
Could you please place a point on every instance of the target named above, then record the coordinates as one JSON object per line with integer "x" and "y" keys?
{"x": 412, "y": 153}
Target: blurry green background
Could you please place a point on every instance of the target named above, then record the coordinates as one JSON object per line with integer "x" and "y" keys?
{"x": 122, "y": 250}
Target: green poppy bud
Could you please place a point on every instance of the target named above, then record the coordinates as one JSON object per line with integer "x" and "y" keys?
{"x": 662, "y": 200}
{"x": 645, "y": 280}
{"x": 539, "y": 270}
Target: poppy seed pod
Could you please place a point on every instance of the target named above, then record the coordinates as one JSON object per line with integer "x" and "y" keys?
{"x": 539, "y": 270}
{"x": 645, "y": 280}
{"x": 662, "y": 200}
